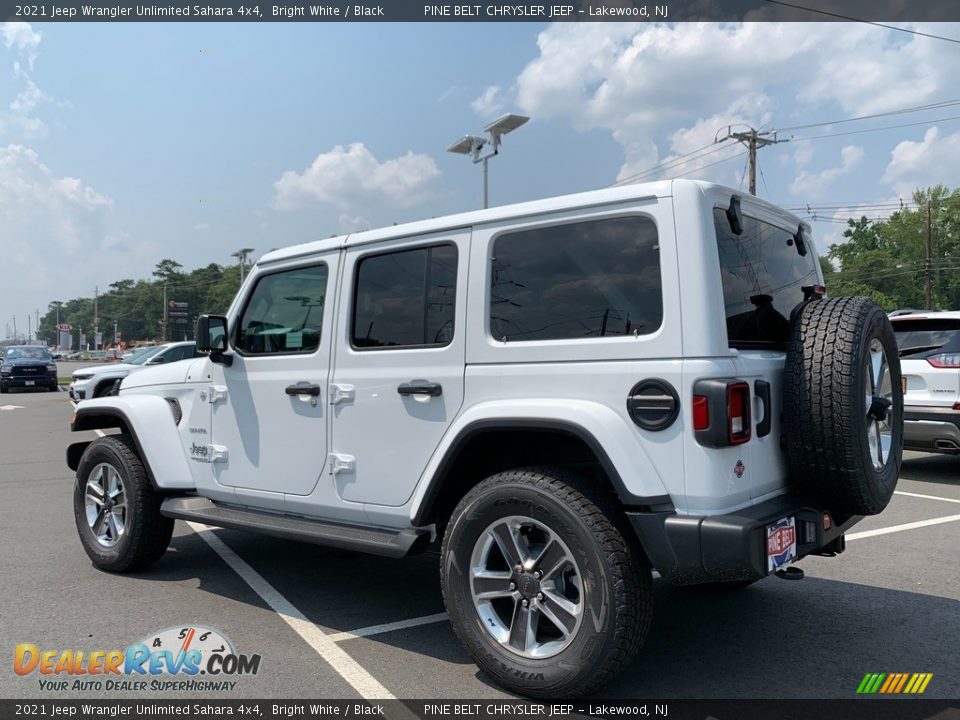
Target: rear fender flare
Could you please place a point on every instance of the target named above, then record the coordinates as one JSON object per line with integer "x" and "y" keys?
{"x": 622, "y": 457}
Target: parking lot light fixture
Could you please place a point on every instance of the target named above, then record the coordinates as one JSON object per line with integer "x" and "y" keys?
{"x": 473, "y": 145}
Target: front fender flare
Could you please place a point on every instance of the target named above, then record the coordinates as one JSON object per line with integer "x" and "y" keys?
{"x": 149, "y": 421}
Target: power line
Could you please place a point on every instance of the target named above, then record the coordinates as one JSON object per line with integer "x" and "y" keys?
{"x": 865, "y": 22}
{"x": 870, "y": 130}
{"x": 673, "y": 162}
{"x": 889, "y": 113}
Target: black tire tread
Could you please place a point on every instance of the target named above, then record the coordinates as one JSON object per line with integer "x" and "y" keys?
{"x": 633, "y": 604}
{"x": 148, "y": 536}
{"x": 823, "y": 441}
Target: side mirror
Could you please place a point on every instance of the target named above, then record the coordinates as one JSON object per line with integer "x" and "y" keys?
{"x": 212, "y": 333}
{"x": 154, "y": 361}
{"x": 734, "y": 216}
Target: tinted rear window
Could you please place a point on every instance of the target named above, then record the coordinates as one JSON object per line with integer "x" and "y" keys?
{"x": 763, "y": 279}
{"x": 927, "y": 334}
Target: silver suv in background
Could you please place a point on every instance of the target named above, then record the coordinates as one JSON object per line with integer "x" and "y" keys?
{"x": 929, "y": 344}
{"x": 99, "y": 380}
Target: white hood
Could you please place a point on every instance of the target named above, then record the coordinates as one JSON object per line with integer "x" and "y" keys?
{"x": 172, "y": 374}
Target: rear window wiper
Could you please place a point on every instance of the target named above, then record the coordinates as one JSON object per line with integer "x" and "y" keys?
{"x": 915, "y": 350}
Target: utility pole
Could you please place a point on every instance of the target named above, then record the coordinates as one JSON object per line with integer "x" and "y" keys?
{"x": 753, "y": 140}
{"x": 928, "y": 264}
{"x": 164, "y": 312}
{"x": 14, "y": 327}
{"x": 96, "y": 317}
{"x": 29, "y": 329}
{"x": 38, "y": 323}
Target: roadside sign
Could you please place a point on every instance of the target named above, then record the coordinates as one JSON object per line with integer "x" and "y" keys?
{"x": 65, "y": 327}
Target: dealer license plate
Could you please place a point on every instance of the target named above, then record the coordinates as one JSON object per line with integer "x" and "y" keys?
{"x": 28, "y": 383}
{"x": 781, "y": 543}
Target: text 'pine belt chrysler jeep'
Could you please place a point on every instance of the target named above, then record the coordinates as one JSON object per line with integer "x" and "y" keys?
{"x": 568, "y": 394}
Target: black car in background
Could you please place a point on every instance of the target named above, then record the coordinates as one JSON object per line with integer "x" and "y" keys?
{"x": 26, "y": 366}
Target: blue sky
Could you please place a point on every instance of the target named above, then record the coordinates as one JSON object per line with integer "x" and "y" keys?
{"x": 121, "y": 144}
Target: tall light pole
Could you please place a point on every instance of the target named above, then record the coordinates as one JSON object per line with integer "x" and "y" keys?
{"x": 241, "y": 255}
{"x": 473, "y": 145}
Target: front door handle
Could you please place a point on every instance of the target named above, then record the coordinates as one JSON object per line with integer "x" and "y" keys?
{"x": 421, "y": 387}
{"x": 303, "y": 388}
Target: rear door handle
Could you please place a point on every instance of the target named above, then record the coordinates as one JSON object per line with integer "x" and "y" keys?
{"x": 303, "y": 388}
{"x": 421, "y": 387}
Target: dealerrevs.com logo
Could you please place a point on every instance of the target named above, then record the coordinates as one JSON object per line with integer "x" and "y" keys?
{"x": 189, "y": 658}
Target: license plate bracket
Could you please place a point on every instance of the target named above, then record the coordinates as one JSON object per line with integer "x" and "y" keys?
{"x": 781, "y": 542}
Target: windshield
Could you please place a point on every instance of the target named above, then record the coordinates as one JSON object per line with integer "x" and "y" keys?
{"x": 926, "y": 334}
{"x": 141, "y": 356}
{"x": 763, "y": 279}
{"x": 30, "y": 353}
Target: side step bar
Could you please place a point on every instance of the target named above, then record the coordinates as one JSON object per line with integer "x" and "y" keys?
{"x": 377, "y": 541}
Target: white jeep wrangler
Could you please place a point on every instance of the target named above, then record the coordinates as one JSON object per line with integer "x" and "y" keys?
{"x": 569, "y": 393}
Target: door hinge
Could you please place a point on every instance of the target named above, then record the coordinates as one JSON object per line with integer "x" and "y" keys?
{"x": 216, "y": 393}
{"x": 208, "y": 453}
{"x": 342, "y": 463}
{"x": 341, "y": 393}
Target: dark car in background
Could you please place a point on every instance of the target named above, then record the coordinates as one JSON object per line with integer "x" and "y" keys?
{"x": 28, "y": 366}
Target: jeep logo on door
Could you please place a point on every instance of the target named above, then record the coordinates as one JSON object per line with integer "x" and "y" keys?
{"x": 199, "y": 452}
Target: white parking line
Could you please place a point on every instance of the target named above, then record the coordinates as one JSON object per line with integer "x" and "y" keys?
{"x": 901, "y": 528}
{"x": 344, "y": 665}
{"x": 925, "y": 497}
{"x": 388, "y": 627}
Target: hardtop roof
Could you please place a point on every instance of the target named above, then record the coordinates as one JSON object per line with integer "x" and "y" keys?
{"x": 611, "y": 195}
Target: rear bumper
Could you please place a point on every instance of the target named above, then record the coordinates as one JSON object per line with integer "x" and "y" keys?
{"x": 931, "y": 429}
{"x": 692, "y": 549}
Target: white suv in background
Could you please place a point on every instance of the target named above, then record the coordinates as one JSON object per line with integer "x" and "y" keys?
{"x": 98, "y": 380}
{"x": 929, "y": 345}
{"x": 566, "y": 393}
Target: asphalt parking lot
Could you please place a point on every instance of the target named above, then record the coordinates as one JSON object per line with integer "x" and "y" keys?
{"x": 331, "y": 624}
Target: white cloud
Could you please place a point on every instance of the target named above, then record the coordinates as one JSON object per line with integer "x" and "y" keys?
{"x": 919, "y": 164}
{"x": 814, "y": 185}
{"x": 23, "y": 38}
{"x": 200, "y": 227}
{"x": 490, "y": 103}
{"x": 352, "y": 179}
{"x": 25, "y": 43}
{"x": 640, "y": 81}
{"x": 48, "y": 222}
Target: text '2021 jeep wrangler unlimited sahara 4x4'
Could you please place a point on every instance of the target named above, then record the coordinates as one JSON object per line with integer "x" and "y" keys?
{"x": 569, "y": 392}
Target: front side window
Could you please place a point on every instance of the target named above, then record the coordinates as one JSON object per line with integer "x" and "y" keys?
{"x": 593, "y": 279}
{"x": 406, "y": 298}
{"x": 763, "y": 274}
{"x": 284, "y": 313}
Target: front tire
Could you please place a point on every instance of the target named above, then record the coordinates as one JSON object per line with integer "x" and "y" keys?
{"x": 117, "y": 510}
{"x": 542, "y": 587}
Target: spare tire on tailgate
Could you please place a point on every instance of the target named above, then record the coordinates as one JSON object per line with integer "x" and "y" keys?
{"x": 843, "y": 405}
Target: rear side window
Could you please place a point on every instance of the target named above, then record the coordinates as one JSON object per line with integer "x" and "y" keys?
{"x": 593, "y": 279}
{"x": 763, "y": 278}
{"x": 406, "y": 299}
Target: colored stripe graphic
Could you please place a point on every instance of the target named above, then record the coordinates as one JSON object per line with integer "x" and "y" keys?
{"x": 894, "y": 683}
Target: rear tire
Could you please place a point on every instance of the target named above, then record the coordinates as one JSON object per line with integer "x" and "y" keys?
{"x": 592, "y": 611}
{"x": 843, "y": 405}
{"x": 117, "y": 510}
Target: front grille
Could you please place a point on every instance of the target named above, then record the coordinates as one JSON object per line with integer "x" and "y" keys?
{"x": 27, "y": 371}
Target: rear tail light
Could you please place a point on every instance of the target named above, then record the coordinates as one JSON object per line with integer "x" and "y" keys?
{"x": 721, "y": 412}
{"x": 945, "y": 360}
{"x": 738, "y": 413}
{"x": 701, "y": 412}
